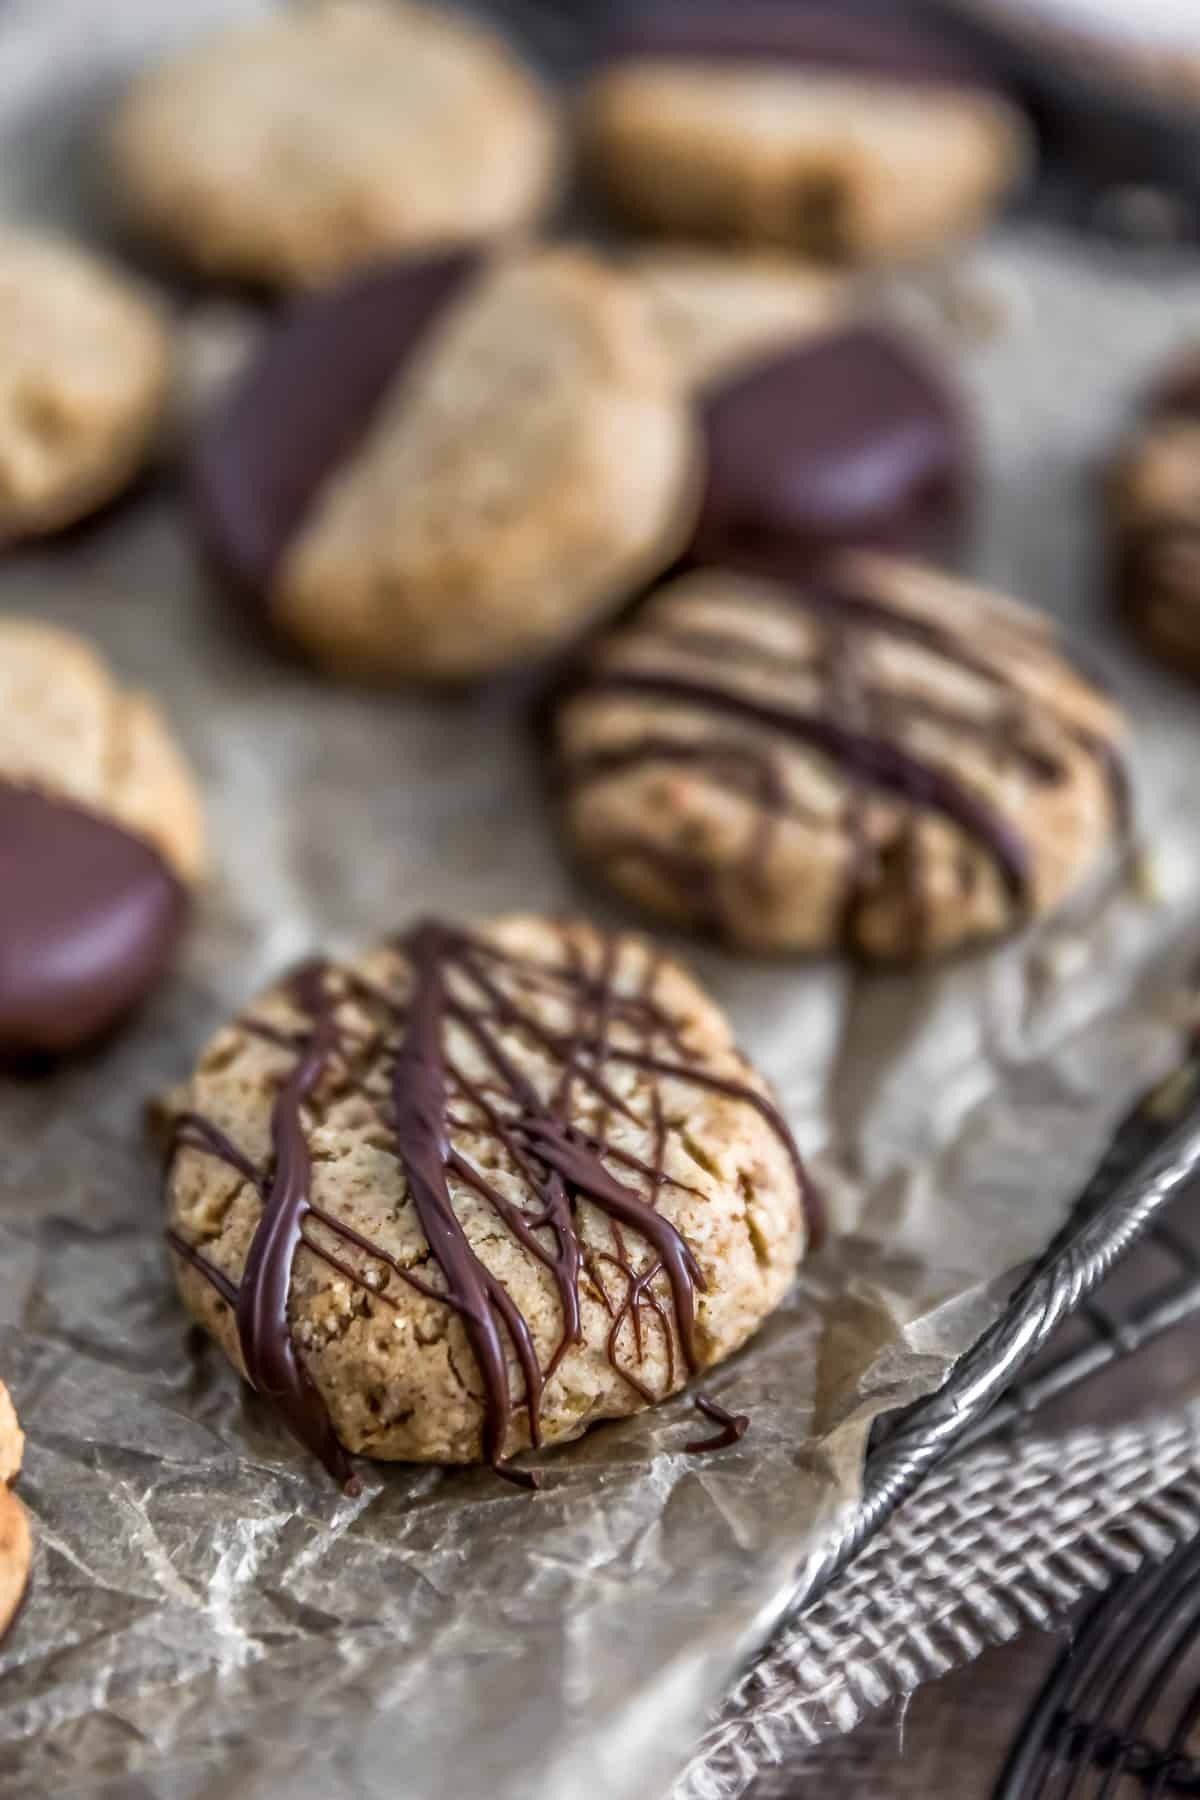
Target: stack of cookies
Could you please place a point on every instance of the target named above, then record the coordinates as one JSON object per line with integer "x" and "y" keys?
{"x": 473, "y": 1189}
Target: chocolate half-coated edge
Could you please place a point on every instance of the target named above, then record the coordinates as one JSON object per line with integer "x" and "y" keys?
{"x": 822, "y": 37}
{"x": 846, "y": 440}
{"x": 90, "y": 916}
{"x": 305, "y": 404}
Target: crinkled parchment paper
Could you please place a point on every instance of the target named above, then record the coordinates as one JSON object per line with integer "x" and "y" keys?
{"x": 208, "y": 1615}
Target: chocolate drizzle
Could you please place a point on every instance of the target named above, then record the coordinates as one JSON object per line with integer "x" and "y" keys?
{"x": 470, "y": 984}
{"x": 700, "y": 673}
{"x": 733, "y": 1427}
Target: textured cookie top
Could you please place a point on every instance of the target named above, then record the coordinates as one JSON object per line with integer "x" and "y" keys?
{"x": 441, "y": 468}
{"x": 70, "y": 731}
{"x": 717, "y": 312}
{"x": 292, "y": 150}
{"x": 83, "y": 379}
{"x": 469, "y": 1191}
{"x": 878, "y": 757}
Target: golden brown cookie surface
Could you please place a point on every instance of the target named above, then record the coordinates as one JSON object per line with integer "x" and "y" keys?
{"x": 524, "y": 1182}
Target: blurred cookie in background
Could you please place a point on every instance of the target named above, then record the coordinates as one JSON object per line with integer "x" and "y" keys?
{"x": 289, "y": 151}
{"x": 445, "y": 468}
{"x": 1154, "y": 510}
{"x": 101, "y": 843}
{"x": 874, "y": 758}
{"x": 84, "y": 377}
{"x": 850, "y": 139}
{"x": 848, "y": 437}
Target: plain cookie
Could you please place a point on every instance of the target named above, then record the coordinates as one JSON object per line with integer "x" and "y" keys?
{"x": 291, "y": 151}
{"x": 847, "y": 139}
{"x": 878, "y": 758}
{"x": 1154, "y": 510}
{"x": 473, "y": 1190}
{"x": 101, "y": 840}
{"x": 441, "y": 469}
{"x": 16, "y": 1544}
{"x": 84, "y": 376}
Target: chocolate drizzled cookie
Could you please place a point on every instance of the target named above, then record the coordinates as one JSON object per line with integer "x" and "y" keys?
{"x": 472, "y": 1191}
{"x": 876, "y": 757}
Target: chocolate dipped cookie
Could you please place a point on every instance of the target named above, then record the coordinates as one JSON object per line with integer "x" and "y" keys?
{"x": 101, "y": 844}
{"x": 805, "y": 127}
{"x": 444, "y": 468}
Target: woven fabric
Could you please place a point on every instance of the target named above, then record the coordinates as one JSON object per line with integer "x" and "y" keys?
{"x": 1004, "y": 1540}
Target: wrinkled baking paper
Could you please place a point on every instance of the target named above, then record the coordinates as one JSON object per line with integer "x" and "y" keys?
{"x": 208, "y": 1616}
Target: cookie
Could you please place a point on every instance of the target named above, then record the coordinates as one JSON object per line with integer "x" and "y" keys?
{"x": 101, "y": 840}
{"x": 84, "y": 375}
{"x": 16, "y": 1546}
{"x": 444, "y": 468}
{"x": 1154, "y": 507}
{"x": 719, "y": 312}
{"x": 475, "y": 1190}
{"x": 876, "y": 758}
{"x": 292, "y": 150}
{"x": 851, "y": 140}
{"x": 850, "y": 438}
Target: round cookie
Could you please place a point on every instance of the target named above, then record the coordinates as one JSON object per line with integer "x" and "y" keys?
{"x": 292, "y": 150}
{"x": 100, "y": 841}
{"x": 16, "y": 1546}
{"x": 719, "y": 312}
{"x": 849, "y": 139}
{"x": 473, "y": 1190}
{"x": 443, "y": 468}
{"x": 874, "y": 757}
{"x": 1154, "y": 507}
{"x": 84, "y": 376}
{"x": 848, "y": 438}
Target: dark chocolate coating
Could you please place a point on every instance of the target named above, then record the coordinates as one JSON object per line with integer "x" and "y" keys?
{"x": 823, "y": 37}
{"x": 304, "y": 405}
{"x": 90, "y": 916}
{"x": 847, "y": 440}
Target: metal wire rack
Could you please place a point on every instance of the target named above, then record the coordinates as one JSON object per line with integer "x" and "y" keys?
{"x": 1120, "y": 1713}
{"x": 1054, "y": 1334}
